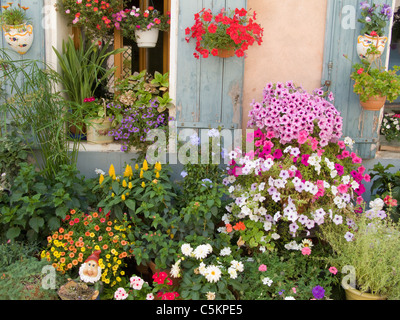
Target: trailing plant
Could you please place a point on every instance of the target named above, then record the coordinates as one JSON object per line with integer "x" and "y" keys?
{"x": 374, "y": 17}
{"x": 226, "y": 30}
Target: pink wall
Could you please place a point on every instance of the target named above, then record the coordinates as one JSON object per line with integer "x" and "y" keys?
{"x": 292, "y": 47}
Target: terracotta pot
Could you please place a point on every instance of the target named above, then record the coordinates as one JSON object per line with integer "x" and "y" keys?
{"x": 373, "y": 103}
{"x": 365, "y": 41}
{"x": 147, "y": 38}
{"x": 226, "y": 53}
{"x": 19, "y": 37}
{"x": 98, "y": 129}
{"x": 354, "y": 294}
{"x": 78, "y": 131}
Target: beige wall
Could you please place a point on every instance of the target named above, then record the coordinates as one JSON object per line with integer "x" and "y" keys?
{"x": 292, "y": 47}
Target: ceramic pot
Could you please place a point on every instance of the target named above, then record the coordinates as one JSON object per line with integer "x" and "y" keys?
{"x": 147, "y": 38}
{"x": 354, "y": 294}
{"x": 365, "y": 41}
{"x": 19, "y": 37}
{"x": 98, "y": 129}
{"x": 373, "y": 103}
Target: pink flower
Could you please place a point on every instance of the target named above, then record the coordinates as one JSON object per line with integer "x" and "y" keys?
{"x": 306, "y": 251}
{"x": 262, "y": 268}
{"x": 294, "y": 290}
{"x": 341, "y": 145}
{"x": 343, "y": 188}
{"x": 367, "y": 178}
{"x": 333, "y": 270}
{"x": 360, "y": 200}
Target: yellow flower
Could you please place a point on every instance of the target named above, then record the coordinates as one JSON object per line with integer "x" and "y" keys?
{"x": 83, "y": 249}
{"x": 111, "y": 172}
{"x": 123, "y": 197}
{"x": 124, "y": 184}
{"x": 145, "y": 166}
{"x": 155, "y": 181}
{"x": 101, "y": 179}
{"x": 157, "y": 175}
{"x": 128, "y": 171}
{"x": 91, "y": 234}
{"x": 141, "y": 174}
{"x": 136, "y": 166}
{"x": 130, "y": 185}
{"x": 113, "y": 195}
{"x": 158, "y": 166}
{"x": 96, "y": 247}
{"x": 143, "y": 184}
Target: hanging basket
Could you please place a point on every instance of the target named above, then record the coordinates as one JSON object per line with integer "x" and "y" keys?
{"x": 147, "y": 38}
{"x": 373, "y": 103}
{"x": 364, "y": 42}
{"x": 19, "y": 37}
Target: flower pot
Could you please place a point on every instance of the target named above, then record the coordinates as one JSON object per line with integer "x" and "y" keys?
{"x": 19, "y": 37}
{"x": 78, "y": 131}
{"x": 373, "y": 103}
{"x": 354, "y": 294}
{"x": 365, "y": 41}
{"x": 226, "y": 53}
{"x": 98, "y": 129}
{"x": 147, "y": 38}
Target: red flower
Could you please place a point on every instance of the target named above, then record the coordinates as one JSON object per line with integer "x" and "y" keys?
{"x": 242, "y": 12}
{"x": 361, "y": 70}
{"x": 373, "y": 34}
{"x": 214, "y": 52}
{"x": 207, "y": 16}
{"x": 212, "y": 28}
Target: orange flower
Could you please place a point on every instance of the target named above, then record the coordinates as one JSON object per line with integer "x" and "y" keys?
{"x": 69, "y": 266}
{"x": 123, "y": 242}
{"x": 96, "y": 227}
{"x": 80, "y": 259}
{"x": 95, "y": 214}
{"x": 55, "y": 236}
{"x": 124, "y": 254}
{"x": 54, "y": 265}
{"x": 109, "y": 223}
{"x": 87, "y": 233}
{"x": 71, "y": 255}
{"x": 66, "y": 236}
{"x": 100, "y": 238}
{"x": 239, "y": 226}
{"x": 71, "y": 248}
{"x": 72, "y": 211}
{"x": 71, "y": 233}
{"x": 80, "y": 254}
{"x": 228, "y": 228}
{"x": 86, "y": 223}
{"x": 48, "y": 238}
{"x": 74, "y": 262}
{"x": 108, "y": 229}
{"x": 62, "y": 253}
{"x": 62, "y": 260}
{"x": 110, "y": 234}
{"x": 105, "y": 247}
{"x": 61, "y": 230}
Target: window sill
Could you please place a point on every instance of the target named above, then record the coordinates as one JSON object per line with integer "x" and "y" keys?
{"x": 96, "y": 147}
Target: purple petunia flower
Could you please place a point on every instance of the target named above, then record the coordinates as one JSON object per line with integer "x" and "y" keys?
{"x": 318, "y": 292}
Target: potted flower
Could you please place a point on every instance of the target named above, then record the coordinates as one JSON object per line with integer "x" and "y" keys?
{"x": 95, "y": 18}
{"x": 98, "y": 121}
{"x": 368, "y": 247}
{"x": 391, "y": 127}
{"x": 142, "y": 26}
{"x": 17, "y": 32}
{"x": 375, "y": 85}
{"x": 224, "y": 34}
{"x": 374, "y": 18}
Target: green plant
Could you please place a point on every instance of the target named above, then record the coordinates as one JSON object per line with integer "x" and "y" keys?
{"x": 141, "y": 105}
{"x": 374, "y": 17}
{"x": 226, "y": 30}
{"x": 23, "y": 280}
{"x": 13, "y": 251}
{"x": 279, "y": 275}
{"x": 37, "y": 205}
{"x": 13, "y": 16}
{"x": 372, "y": 82}
{"x": 133, "y": 19}
{"x": 386, "y": 184}
{"x": 94, "y": 18}
{"x": 390, "y": 127}
{"x": 38, "y": 112}
{"x": 83, "y": 71}
{"x": 368, "y": 243}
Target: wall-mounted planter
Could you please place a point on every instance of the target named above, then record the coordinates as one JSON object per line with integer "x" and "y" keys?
{"x": 373, "y": 103}
{"x": 147, "y": 38}
{"x": 19, "y": 37}
{"x": 364, "y": 42}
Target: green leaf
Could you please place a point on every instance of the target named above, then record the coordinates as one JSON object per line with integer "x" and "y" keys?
{"x": 131, "y": 204}
{"x": 36, "y": 223}
{"x": 13, "y": 232}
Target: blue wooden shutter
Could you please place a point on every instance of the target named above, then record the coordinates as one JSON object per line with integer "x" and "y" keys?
{"x": 209, "y": 91}
{"x": 37, "y": 50}
{"x": 341, "y": 39}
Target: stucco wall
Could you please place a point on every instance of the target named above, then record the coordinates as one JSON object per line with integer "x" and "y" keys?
{"x": 293, "y": 46}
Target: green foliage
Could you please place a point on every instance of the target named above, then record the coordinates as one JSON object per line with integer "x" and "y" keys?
{"x": 374, "y": 18}
{"x": 37, "y": 205}
{"x": 390, "y": 127}
{"x": 386, "y": 183}
{"x": 14, "y": 16}
{"x": 373, "y": 252}
{"x": 371, "y": 82}
{"x": 290, "y": 275}
{"x": 12, "y": 252}
{"x": 22, "y": 280}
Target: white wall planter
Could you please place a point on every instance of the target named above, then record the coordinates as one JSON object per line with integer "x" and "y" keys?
{"x": 365, "y": 41}
{"x": 147, "y": 38}
{"x": 19, "y": 37}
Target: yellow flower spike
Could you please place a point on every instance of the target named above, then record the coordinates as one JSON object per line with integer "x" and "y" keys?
{"x": 123, "y": 197}
{"x": 113, "y": 195}
{"x": 111, "y": 172}
{"x": 124, "y": 184}
{"x": 143, "y": 184}
{"x": 136, "y": 166}
{"x": 157, "y": 175}
{"x": 158, "y": 166}
{"x": 141, "y": 174}
{"x": 155, "y": 181}
{"x": 128, "y": 171}
{"x": 145, "y": 166}
{"x": 101, "y": 179}
{"x": 130, "y": 186}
